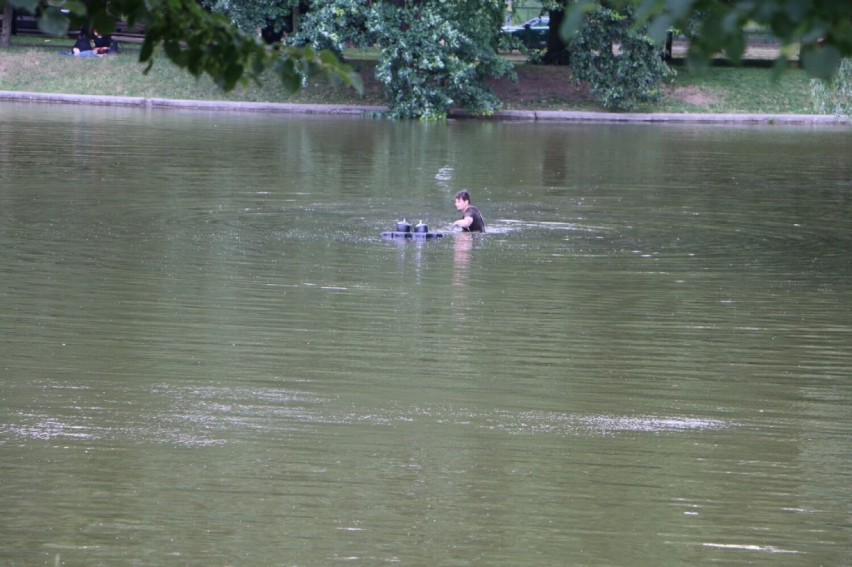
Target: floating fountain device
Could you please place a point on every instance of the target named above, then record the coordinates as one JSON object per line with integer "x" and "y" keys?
{"x": 402, "y": 229}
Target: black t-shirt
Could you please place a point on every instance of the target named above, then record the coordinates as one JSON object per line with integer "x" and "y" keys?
{"x": 83, "y": 44}
{"x": 102, "y": 41}
{"x": 478, "y": 224}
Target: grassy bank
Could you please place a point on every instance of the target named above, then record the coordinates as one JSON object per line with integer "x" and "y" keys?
{"x": 36, "y": 64}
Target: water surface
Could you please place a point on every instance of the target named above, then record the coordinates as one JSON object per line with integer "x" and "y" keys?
{"x": 209, "y": 356}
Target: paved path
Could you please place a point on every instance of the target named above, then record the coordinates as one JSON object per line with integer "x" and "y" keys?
{"x": 540, "y": 115}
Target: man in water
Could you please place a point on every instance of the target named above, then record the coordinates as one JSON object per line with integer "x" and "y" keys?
{"x": 472, "y": 219}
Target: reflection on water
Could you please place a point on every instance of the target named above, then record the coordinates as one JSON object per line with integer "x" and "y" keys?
{"x": 209, "y": 355}
{"x": 200, "y": 416}
{"x": 462, "y": 250}
{"x": 462, "y": 246}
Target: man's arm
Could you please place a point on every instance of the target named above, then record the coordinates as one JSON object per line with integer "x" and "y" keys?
{"x": 465, "y": 222}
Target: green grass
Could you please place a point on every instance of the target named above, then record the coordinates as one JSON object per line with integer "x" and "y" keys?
{"x": 38, "y": 65}
{"x": 35, "y": 64}
{"x": 741, "y": 90}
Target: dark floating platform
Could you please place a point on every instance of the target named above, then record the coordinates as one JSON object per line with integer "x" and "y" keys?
{"x": 412, "y": 234}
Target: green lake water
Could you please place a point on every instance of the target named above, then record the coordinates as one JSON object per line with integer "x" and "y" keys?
{"x": 209, "y": 356}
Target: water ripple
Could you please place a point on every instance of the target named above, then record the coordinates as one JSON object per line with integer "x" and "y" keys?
{"x": 211, "y": 415}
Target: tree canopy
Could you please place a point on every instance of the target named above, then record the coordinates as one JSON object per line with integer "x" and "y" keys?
{"x": 622, "y": 77}
{"x": 253, "y": 15}
{"x": 194, "y": 39}
{"x": 436, "y": 54}
{"x": 822, "y": 28}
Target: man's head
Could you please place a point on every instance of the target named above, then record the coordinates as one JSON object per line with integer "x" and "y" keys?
{"x": 462, "y": 200}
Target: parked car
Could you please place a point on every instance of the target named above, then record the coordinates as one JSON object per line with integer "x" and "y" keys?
{"x": 532, "y": 33}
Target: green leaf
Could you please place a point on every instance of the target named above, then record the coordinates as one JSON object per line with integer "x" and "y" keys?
{"x": 232, "y": 75}
{"x": 575, "y": 16}
{"x": 174, "y": 52}
{"x": 26, "y": 5}
{"x": 797, "y": 9}
{"x": 821, "y": 62}
{"x": 75, "y": 7}
{"x": 356, "y": 82}
{"x": 680, "y": 8}
{"x": 147, "y": 51}
{"x": 53, "y": 22}
{"x": 736, "y": 47}
{"x": 659, "y": 28}
{"x": 289, "y": 77}
{"x": 103, "y": 22}
{"x": 779, "y": 66}
{"x": 647, "y": 8}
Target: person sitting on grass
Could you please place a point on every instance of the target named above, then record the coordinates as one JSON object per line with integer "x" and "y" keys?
{"x": 83, "y": 47}
{"x": 104, "y": 43}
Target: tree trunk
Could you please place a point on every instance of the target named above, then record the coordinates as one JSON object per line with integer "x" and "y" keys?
{"x": 6, "y": 32}
{"x": 557, "y": 50}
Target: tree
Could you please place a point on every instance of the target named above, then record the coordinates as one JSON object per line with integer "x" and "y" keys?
{"x": 835, "y": 96}
{"x": 270, "y": 17}
{"x": 195, "y": 40}
{"x": 822, "y": 28}
{"x": 557, "y": 49}
{"x": 435, "y": 55}
{"x": 333, "y": 25}
{"x": 622, "y": 65}
{"x": 6, "y": 32}
{"x": 430, "y": 63}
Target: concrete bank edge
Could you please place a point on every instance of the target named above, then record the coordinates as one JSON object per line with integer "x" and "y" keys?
{"x": 103, "y": 100}
{"x": 355, "y": 110}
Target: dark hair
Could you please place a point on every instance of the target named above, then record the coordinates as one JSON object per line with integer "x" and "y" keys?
{"x": 463, "y": 195}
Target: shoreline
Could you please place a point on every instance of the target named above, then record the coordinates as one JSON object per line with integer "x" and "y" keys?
{"x": 367, "y": 110}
